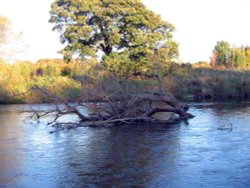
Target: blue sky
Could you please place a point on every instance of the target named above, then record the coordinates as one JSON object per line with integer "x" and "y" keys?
{"x": 199, "y": 25}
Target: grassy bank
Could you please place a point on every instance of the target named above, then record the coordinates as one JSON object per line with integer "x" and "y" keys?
{"x": 54, "y": 75}
{"x": 70, "y": 81}
{"x": 207, "y": 83}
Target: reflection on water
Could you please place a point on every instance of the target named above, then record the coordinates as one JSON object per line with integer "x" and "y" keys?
{"x": 185, "y": 155}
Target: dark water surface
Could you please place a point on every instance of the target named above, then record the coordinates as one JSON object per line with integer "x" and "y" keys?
{"x": 196, "y": 154}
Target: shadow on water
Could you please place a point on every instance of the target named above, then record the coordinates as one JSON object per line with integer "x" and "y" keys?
{"x": 183, "y": 155}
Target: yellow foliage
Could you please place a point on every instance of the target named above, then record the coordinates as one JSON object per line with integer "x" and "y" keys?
{"x": 53, "y": 74}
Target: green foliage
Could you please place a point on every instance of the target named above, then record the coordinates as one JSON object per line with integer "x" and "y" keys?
{"x": 239, "y": 58}
{"x": 72, "y": 80}
{"x": 223, "y": 50}
{"x": 125, "y": 31}
{"x": 247, "y": 56}
{"x": 54, "y": 75}
{"x": 231, "y": 57}
{"x": 66, "y": 71}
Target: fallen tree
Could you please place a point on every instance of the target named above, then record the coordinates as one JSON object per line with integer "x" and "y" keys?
{"x": 116, "y": 103}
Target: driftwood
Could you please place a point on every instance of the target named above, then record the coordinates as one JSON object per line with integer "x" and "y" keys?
{"x": 118, "y": 107}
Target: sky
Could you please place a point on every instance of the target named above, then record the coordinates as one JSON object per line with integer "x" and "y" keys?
{"x": 199, "y": 25}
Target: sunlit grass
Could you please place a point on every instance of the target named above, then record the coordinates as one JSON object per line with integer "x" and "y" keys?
{"x": 69, "y": 80}
{"x": 208, "y": 83}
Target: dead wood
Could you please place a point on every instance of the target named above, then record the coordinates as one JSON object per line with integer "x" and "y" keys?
{"x": 117, "y": 107}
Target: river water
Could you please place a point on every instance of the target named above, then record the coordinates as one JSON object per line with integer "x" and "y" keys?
{"x": 189, "y": 154}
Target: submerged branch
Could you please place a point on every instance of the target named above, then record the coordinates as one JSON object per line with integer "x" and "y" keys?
{"x": 119, "y": 106}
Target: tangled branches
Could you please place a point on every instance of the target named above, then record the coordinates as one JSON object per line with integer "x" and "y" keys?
{"x": 116, "y": 103}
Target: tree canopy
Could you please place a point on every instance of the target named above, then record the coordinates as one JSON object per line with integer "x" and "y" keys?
{"x": 122, "y": 30}
{"x": 225, "y": 54}
{"x": 223, "y": 51}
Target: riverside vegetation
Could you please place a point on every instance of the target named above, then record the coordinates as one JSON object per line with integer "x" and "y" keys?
{"x": 132, "y": 38}
{"x": 134, "y": 41}
{"x": 135, "y": 74}
{"x": 68, "y": 80}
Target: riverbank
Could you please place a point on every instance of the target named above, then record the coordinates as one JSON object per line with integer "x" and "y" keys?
{"x": 69, "y": 81}
{"x": 210, "y": 84}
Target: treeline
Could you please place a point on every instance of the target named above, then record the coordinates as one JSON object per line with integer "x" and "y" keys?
{"x": 229, "y": 56}
{"x": 69, "y": 80}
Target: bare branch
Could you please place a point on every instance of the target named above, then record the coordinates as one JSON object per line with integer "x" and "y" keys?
{"x": 118, "y": 106}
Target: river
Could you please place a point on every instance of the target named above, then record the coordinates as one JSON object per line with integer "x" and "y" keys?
{"x": 190, "y": 154}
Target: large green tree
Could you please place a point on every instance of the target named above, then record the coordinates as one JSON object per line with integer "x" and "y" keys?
{"x": 223, "y": 51}
{"x": 124, "y": 30}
